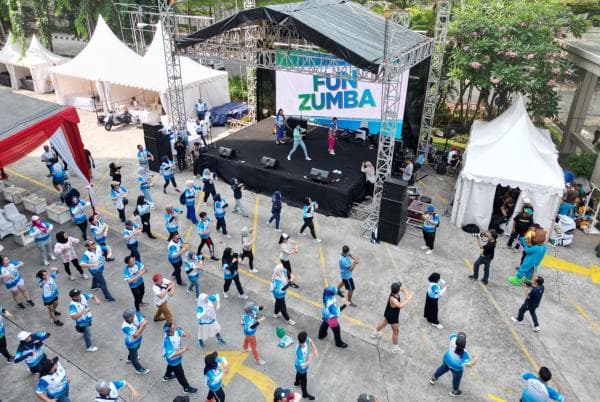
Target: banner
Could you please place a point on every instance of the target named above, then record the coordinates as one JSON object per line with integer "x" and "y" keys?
{"x": 319, "y": 99}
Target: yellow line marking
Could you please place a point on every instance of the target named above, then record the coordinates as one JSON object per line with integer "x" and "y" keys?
{"x": 514, "y": 333}
{"x": 440, "y": 198}
{"x": 321, "y": 257}
{"x": 263, "y": 382}
{"x": 595, "y": 326}
{"x": 495, "y": 398}
{"x": 566, "y": 266}
{"x": 255, "y": 223}
{"x": 189, "y": 231}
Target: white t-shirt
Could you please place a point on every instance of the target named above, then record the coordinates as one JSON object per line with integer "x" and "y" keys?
{"x": 156, "y": 290}
{"x": 285, "y": 249}
{"x": 450, "y": 156}
{"x": 408, "y": 171}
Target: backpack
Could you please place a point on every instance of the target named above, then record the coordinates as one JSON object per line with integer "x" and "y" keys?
{"x": 182, "y": 198}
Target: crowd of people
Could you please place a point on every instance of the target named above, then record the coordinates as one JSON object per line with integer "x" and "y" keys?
{"x": 53, "y": 382}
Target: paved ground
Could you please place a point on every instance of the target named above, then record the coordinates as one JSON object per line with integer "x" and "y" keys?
{"x": 569, "y": 315}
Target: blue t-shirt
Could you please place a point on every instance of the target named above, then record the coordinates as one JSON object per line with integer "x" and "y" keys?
{"x": 113, "y": 395}
{"x": 248, "y": 320}
{"x": 190, "y": 195}
{"x": 453, "y": 360}
{"x": 302, "y": 353}
{"x": 144, "y": 182}
{"x": 78, "y": 212}
{"x": 189, "y": 265}
{"x": 345, "y": 264}
{"x": 214, "y": 377}
{"x": 11, "y": 274}
{"x": 172, "y": 344}
{"x": 277, "y": 287}
{"x": 220, "y": 208}
{"x": 94, "y": 257}
{"x": 229, "y": 273}
{"x": 97, "y": 229}
{"x": 32, "y": 352}
{"x": 166, "y": 169}
{"x": 174, "y": 248}
{"x": 308, "y": 211}
{"x": 54, "y": 384}
{"x": 130, "y": 232}
{"x": 142, "y": 157}
{"x": 130, "y": 328}
{"x": 130, "y": 272}
{"x": 38, "y": 235}
{"x": 58, "y": 173}
{"x": 430, "y": 225}
{"x": 537, "y": 391}
{"x": 49, "y": 288}
{"x": 2, "y": 330}
{"x": 77, "y": 307}
{"x": 172, "y": 221}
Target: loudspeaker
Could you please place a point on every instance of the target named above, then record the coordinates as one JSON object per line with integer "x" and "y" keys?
{"x": 226, "y": 152}
{"x": 393, "y": 210}
{"x": 392, "y": 220}
{"x": 395, "y": 189}
{"x": 319, "y": 175}
{"x": 441, "y": 167}
{"x": 270, "y": 163}
{"x": 157, "y": 144}
{"x": 390, "y": 232}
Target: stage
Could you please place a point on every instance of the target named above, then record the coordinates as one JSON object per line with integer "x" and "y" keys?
{"x": 292, "y": 178}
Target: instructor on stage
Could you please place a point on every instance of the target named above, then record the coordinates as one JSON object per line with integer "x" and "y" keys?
{"x": 298, "y": 142}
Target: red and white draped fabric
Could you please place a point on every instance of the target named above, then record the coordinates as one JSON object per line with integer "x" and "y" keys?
{"x": 63, "y": 133}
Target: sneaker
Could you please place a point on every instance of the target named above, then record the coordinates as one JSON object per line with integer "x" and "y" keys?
{"x": 201, "y": 343}
{"x": 294, "y": 285}
{"x": 94, "y": 289}
{"x": 189, "y": 292}
{"x": 57, "y": 313}
{"x": 253, "y": 270}
{"x": 396, "y": 350}
{"x": 473, "y": 277}
{"x": 291, "y": 322}
{"x": 433, "y": 380}
{"x": 536, "y": 329}
{"x": 194, "y": 177}
{"x": 270, "y": 223}
{"x": 46, "y": 263}
{"x": 276, "y": 315}
{"x": 53, "y": 258}
{"x": 92, "y": 349}
{"x": 514, "y": 319}
{"x": 301, "y": 234}
{"x": 424, "y": 247}
{"x": 244, "y": 350}
{"x": 85, "y": 276}
{"x": 143, "y": 304}
{"x": 438, "y": 326}
{"x": 110, "y": 259}
{"x": 317, "y": 240}
{"x": 261, "y": 362}
{"x": 178, "y": 190}
{"x": 484, "y": 282}
{"x": 228, "y": 236}
{"x": 31, "y": 303}
{"x": 220, "y": 340}
{"x": 9, "y": 359}
{"x": 190, "y": 390}
{"x": 182, "y": 284}
{"x": 307, "y": 159}
{"x": 289, "y": 158}
{"x": 296, "y": 385}
{"x": 71, "y": 277}
{"x": 21, "y": 305}
{"x": 429, "y": 252}
{"x": 142, "y": 371}
{"x": 342, "y": 345}
{"x": 58, "y": 323}
{"x": 245, "y": 297}
{"x": 168, "y": 378}
{"x": 309, "y": 397}
{"x": 225, "y": 296}
{"x": 352, "y": 304}
{"x": 214, "y": 258}
{"x": 278, "y": 230}
{"x": 376, "y": 335}
{"x": 455, "y": 393}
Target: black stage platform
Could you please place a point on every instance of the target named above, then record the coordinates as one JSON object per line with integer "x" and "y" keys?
{"x": 292, "y": 178}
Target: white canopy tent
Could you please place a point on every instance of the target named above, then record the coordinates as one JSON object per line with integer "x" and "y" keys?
{"x": 85, "y": 77}
{"x": 9, "y": 53}
{"x": 36, "y": 62}
{"x": 149, "y": 79}
{"x": 508, "y": 151}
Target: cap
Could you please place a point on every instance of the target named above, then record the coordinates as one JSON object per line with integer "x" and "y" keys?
{"x": 285, "y": 236}
{"x": 128, "y": 313}
{"x": 366, "y": 398}
{"x": 74, "y": 292}
{"x": 283, "y": 393}
{"x": 430, "y": 208}
{"x": 528, "y": 211}
{"x": 35, "y": 218}
{"x": 526, "y": 200}
{"x": 156, "y": 277}
{"x": 21, "y": 336}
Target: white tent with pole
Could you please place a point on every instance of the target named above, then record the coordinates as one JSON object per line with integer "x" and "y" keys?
{"x": 82, "y": 80}
{"x": 508, "y": 151}
{"x": 9, "y": 53}
{"x": 35, "y": 63}
{"x": 148, "y": 79}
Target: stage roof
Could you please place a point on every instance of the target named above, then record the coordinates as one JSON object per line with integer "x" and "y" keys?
{"x": 19, "y": 112}
{"x": 343, "y": 28}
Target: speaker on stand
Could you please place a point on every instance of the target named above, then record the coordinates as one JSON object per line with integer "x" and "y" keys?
{"x": 157, "y": 143}
{"x": 393, "y": 211}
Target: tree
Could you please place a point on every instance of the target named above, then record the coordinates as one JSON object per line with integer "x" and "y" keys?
{"x": 41, "y": 14}
{"x": 18, "y": 22}
{"x": 500, "y": 48}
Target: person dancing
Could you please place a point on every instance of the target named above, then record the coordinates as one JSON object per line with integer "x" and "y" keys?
{"x": 298, "y": 142}
{"x": 280, "y": 127}
{"x": 392, "y": 314}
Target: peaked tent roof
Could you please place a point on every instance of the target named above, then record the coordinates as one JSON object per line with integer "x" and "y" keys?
{"x": 103, "y": 59}
{"x": 37, "y": 54}
{"x": 150, "y": 72}
{"x": 11, "y": 50}
{"x": 343, "y": 28}
{"x": 533, "y": 156}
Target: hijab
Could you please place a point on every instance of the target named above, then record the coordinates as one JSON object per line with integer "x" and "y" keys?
{"x": 61, "y": 238}
{"x": 279, "y": 272}
{"x": 210, "y": 362}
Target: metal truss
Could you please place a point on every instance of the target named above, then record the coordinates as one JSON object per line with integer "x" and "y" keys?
{"x": 442, "y": 20}
{"x": 283, "y": 49}
{"x": 176, "y": 102}
{"x": 251, "y": 37}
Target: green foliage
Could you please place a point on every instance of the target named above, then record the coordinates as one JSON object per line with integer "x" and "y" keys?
{"x": 582, "y": 164}
{"x": 42, "y": 21}
{"x": 555, "y": 133}
{"x": 18, "y": 22}
{"x": 238, "y": 89}
{"x": 502, "y": 48}
{"x": 421, "y": 18}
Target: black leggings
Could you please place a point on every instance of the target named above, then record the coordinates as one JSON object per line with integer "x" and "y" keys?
{"x": 169, "y": 180}
{"x": 250, "y": 255}
{"x": 209, "y": 191}
{"x": 280, "y": 307}
{"x": 218, "y": 395}
{"x": 146, "y": 224}
{"x": 75, "y": 264}
{"x": 138, "y": 295}
{"x": 121, "y": 214}
{"x": 3, "y": 349}
{"x": 83, "y": 227}
{"x": 337, "y": 335}
{"x": 211, "y": 247}
{"x": 238, "y": 285}
{"x": 308, "y": 223}
{"x": 301, "y": 382}
{"x": 179, "y": 374}
{"x": 288, "y": 267}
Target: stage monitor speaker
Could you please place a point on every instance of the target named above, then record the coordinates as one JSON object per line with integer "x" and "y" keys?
{"x": 392, "y": 220}
{"x": 269, "y": 163}
{"x": 227, "y": 152}
{"x": 319, "y": 175}
{"x": 157, "y": 144}
{"x": 395, "y": 189}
